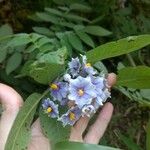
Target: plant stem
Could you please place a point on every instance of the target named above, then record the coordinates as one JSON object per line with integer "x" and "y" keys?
{"x": 129, "y": 57}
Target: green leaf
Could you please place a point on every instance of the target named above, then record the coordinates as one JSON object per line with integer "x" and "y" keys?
{"x": 145, "y": 93}
{"x": 6, "y": 30}
{"x": 20, "y": 133}
{"x": 120, "y": 47}
{"x": 49, "y": 66}
{"x": 54, "y": 11}
{"x": 80, "y": 7}
{"x": 134, "y": 77}
{"x": 128, "y": 142}
{"x": 81, "y": 146}
{"x": 75, "y": 42}
{"x": 47, "y": 17}
{"x": 3, "y": 54}
{"x": 97, "y": 30}
{"x": 53, "y": 128}
{"x": 75, "y": 17}
{"x": 19, "y": 40}
{"x": 148, "y": 135}
{"x": 43, "y": 30}
{"x": 13, "y": 62}
{"x": 85, "y": 38}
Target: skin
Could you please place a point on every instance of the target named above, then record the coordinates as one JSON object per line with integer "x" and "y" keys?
{"x": 12, "y": 102}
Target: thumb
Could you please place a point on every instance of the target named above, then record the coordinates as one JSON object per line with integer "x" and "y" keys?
{"x": 11, "y": 102}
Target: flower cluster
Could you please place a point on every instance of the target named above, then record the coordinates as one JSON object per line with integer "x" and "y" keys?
{"x": 81, "y": 89}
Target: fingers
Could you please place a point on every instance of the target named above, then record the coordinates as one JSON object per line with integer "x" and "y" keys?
{"x": 78, "y": 129}
{"x": 97, "y": 130}
{"x": 111, "y": 79}
{"x": 38, "y": 140}
{"x": 11, "y": 101}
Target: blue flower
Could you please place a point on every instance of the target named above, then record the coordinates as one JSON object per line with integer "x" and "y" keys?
{"x": 87, "y": 67}
{"x": 99, "y": 83}
{"x": 82, "y": 91}
{"x": 59, "y": 90}
{"x": 74, "y": 66}
{"x": 88, "y": 110}
{"x": 71, "y": 116}
{"x": 50, "y": 108}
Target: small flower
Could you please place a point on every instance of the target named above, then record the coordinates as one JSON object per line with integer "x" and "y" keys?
{"x": 88, "y": 110}
{"x": 87, "y": 67}
{"x": 74, "y": 66}
{"x": 71, "y": 116}
{"x": 82, "y": 91}
{"x": 59, "y": 90}
{"x": 50, "y": 108}
{"x": 99, "y": 83}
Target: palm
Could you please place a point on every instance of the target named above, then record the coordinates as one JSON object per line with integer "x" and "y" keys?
{"x": 12, "y": 101}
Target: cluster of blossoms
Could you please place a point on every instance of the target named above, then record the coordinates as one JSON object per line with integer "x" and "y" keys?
{"x": 81, "y": 89}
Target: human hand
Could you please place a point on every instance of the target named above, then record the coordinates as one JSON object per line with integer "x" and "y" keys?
{"x": 12, "y": 102}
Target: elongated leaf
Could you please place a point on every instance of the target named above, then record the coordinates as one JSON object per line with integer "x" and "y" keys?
{"x": 148, "y": 136}
{"x": 116, "y": 48}
{"x": 6, "y": 30}
{"x": 97, "y": 30}
{"x": 13, "y": 62}
{"x": 134, "y": 77}
{"x": 80, "y": 7}
{"x": 75, "y": 17}
{"x": 75, "y": 42}
{"x": 128, "y": 142}
{"x": 81, "y": 146}
{"x": 19, "y": 40}
{"x": 47, "y": 17}
{"x": 85, "y": 38}
{"x": 54, "y": 11}
{"x": 20, "y": 133}
{"x": 43, "y": 30}
{"x": 3, "y": 54}
{"x": 53, "y": 129}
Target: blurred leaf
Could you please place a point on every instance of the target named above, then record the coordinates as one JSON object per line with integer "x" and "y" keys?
{"x": 134, "y": 77}
{"x": 53, "y": 128}
{"x": 148, "y": 136}
{"x": 145, "y": 93}
{"x": 80, "y": 7}
{"x": 6, "y": 30}
{"x": 128, "y": 142}
{"x": 74, "y": 17}
{"x": 53, "y": 11}
{"x": 19, "y": 40}
{"x": 43, "y": 30}
{"x": 13, "y": 62}
{"x": 85, "y": 38}
{"x": 120, "y": 47}
{"x": 47, "y": 17}
{"x": 3, "y": 54}
{"x": 75, "y": 42}
{"x": 97, "y": 30}
{"x": 81, "y": 146}
{"x": 20, "y": 133}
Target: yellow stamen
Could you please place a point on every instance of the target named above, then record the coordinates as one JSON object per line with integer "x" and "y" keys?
{"x": 80, "y": 92}
{"x": 72, "y": 116}
{"x": 54, "y": 86}
{"x": 49, "y": 110}
{"x": 88, "y": 65}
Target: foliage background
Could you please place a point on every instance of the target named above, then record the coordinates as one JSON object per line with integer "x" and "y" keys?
{"x": 119, "y": 19}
